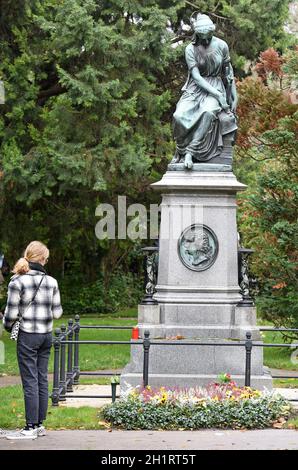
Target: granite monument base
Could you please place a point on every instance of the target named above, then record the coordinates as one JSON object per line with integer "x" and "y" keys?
{"x": 197, "y": 289}
{"x": 194, "y": 322}
{"x": 197, "y": 365}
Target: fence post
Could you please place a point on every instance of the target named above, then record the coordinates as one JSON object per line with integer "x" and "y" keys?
{"x": 62, "y": 384}
{"x": 69, "y": 357}
{"x": 248, "y": 348}
{"x": 76, "y": 367}
{"x": 146, "y": 348}
{"x": 114, "y": 388}
{"x": 55, "y": 391}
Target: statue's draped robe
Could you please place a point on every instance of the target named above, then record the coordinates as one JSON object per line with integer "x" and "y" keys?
{"x": 199, "y": 123}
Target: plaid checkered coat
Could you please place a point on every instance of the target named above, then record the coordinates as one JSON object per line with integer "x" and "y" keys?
{"x": 38, "y": 318}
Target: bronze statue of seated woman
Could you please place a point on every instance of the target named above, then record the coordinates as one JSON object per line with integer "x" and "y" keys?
{"x": 204, "y": 121}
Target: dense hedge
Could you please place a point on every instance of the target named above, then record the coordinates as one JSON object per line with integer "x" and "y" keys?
{"x": 78, "y": 297}
{"x": 123, "y": 291}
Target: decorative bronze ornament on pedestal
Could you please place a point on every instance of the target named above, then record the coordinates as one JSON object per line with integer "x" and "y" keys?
{"x": 244, "y": 278}
{"x": 151, "y": 270}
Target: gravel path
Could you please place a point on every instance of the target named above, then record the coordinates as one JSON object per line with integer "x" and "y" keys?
{"x": 7, "y": 380}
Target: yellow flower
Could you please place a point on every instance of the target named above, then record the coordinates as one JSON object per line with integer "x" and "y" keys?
{"x": 244, "y": 395}
{"x": 201, "y": 401}
{"x": 163, "y": 397}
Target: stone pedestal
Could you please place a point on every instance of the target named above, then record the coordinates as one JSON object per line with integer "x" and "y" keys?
{"x": 245, "y": 319}
{"x": 197, "y": 289}
{"x": 190, "y": 366}
{"x": 201, "y": 303}
{"x": 148, "y": 315}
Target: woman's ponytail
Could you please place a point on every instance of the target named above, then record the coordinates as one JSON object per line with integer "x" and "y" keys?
{"x": 36, "y": 252}
{"x": 21, "y": 266}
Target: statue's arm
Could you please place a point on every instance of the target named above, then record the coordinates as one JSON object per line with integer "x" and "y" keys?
{"x": 229, "y": 73}
{"x": 195, "y": 73}
{"x": 234, "y": 95}
{"x": 200, "y": 81}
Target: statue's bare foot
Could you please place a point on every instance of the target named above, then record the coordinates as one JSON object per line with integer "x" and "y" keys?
{"x": 188, "y": 163}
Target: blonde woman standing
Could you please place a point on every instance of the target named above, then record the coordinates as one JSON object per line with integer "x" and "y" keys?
{"x": 33, "y": 296}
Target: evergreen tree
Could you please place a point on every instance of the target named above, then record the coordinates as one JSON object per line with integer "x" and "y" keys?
{"x": 249, "y": 26}
{"x": 267, "y": 157}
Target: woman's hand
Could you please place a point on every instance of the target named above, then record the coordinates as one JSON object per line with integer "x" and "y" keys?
{"x": 223, "y": 101}
{"x": 234, "y": 105}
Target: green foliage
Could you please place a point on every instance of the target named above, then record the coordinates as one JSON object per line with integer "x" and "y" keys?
{"x": 83, "y": 120}
{"x": 107, "y": 294}
{"x": 123, "y": 290}
{"x": 268, "y": 210}
{"x": 115, "y": 379}
{"x": 224, "y": 378}
{"x": 249, "y": 26}
{"x": 269, "y": 222}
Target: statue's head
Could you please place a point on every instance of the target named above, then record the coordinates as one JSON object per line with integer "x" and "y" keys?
{"x": 203, "y": 28}
{"x": 198, "y": 243}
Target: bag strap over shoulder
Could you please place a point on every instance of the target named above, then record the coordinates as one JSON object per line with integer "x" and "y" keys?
{"x": 42, "y": 278}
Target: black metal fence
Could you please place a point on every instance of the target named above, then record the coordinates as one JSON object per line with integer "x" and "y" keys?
{"x": 67, "y": 372}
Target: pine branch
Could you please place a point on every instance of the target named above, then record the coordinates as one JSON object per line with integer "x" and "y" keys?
{"x": 208, "y": 12}
{"x": 54, "y": 90}
{"x": 182, "y": 37}
{"x": 246, "y": 153}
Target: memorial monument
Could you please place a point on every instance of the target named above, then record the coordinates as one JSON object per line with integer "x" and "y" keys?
{"x": 197, "y": 295}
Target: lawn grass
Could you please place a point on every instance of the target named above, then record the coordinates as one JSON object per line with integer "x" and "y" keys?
{"x": 277, "y": 358}
{"x": 96, "y": 381}
{"x": 292, "y": 423}
{"x": 92, "y": 357}
{"x": 12, "y": 413}
{"x": 125, "y": 313}
{"x": 285, "y": 383}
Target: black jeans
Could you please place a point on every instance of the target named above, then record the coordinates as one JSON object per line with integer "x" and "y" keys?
{"x": 33, "y": 350}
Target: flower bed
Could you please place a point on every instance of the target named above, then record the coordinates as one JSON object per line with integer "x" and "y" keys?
{"x": 219, "y": 405}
